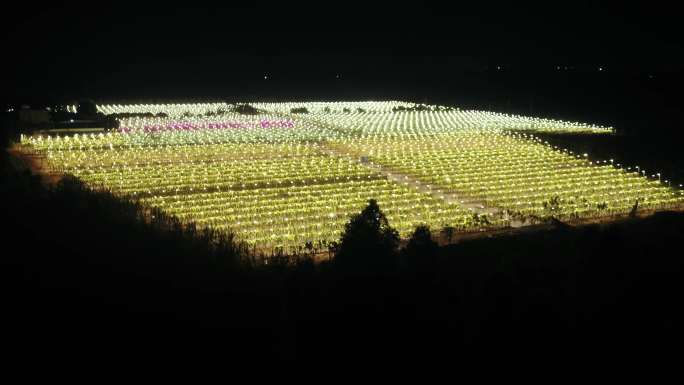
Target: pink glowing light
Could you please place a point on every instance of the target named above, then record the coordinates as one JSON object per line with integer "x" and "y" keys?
{"x": 189, "y": 126}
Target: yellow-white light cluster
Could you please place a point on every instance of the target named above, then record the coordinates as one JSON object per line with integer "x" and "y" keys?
{"x": 284, "y": 186}
{"x": 334, "y": 107}
{"x": 171, "y": 109}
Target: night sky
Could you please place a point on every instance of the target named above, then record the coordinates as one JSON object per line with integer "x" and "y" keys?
{"x": 132, "y": 50}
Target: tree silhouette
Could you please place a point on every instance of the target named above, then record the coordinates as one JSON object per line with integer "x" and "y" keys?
{"x": 86, "y": 108}
{"x": 368, "y": 241}
{"x": 421, "y": 251}
{"x": 245, "y": 109}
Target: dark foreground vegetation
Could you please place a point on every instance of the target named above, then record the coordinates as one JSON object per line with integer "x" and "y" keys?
{"x": 91, "y": 274}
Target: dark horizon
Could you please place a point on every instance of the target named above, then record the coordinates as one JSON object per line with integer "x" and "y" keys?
{"x": 120, "y": 52}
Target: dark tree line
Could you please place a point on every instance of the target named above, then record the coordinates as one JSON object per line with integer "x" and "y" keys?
{"x": 299, "y": 110}
{"x": 422, "y": 107}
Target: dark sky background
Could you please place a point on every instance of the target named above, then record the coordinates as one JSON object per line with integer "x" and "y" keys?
{"x": 133, "y": 50}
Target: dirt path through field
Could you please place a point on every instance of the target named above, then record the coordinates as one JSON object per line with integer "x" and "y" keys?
{"x": 474, "y": 205}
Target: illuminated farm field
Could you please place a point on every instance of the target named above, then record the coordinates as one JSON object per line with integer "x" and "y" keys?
{"x": 280, "y": 179}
